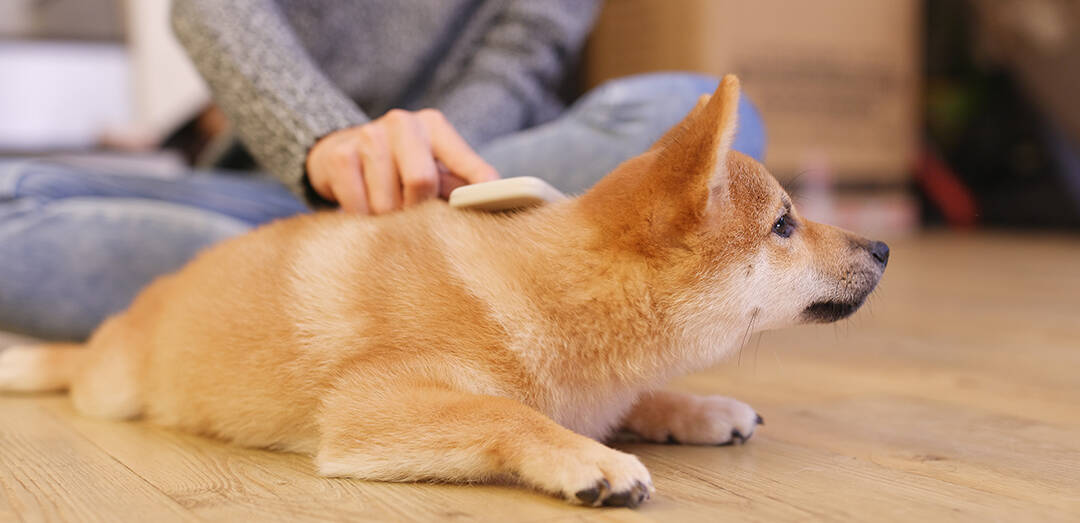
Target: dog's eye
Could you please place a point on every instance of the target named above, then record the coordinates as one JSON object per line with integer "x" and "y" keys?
{"x": 784, "y": 226}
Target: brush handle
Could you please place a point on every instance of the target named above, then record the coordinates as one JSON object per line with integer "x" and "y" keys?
{"x": 505, "y": 194}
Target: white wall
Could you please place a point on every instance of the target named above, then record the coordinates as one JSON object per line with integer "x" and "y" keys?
{"x": 167, "y": 88}
{"x": 61, "y": 95}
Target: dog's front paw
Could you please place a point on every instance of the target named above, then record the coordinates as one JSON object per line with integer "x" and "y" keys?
{"x": 671, "y": 417}
{"x": 593, "y": 476}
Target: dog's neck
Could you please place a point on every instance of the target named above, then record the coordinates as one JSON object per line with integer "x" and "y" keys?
{"x": 621, "y": 323}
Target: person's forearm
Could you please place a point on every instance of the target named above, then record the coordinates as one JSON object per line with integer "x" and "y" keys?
{"x": 264, "y": 80}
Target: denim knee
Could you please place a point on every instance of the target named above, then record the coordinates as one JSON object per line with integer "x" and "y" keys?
{"x": 46, "y": 180}
{"x": 12, "y": 173}
{"x": 661, "y": 100}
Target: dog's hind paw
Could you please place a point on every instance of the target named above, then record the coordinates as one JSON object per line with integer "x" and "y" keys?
{"x": 677, "y": 418}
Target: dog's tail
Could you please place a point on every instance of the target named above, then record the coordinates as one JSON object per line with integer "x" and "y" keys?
{"x": 40, "y": 368}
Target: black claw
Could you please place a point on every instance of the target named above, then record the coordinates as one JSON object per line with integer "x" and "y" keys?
{"x": 735, "y": 434}
{"x": 760, "y": 420}
{"x": 618, "y": 499}
{"x": 672, "y": 441}
{"x": 642, "y": 493}
{"x": 590, "y": 495}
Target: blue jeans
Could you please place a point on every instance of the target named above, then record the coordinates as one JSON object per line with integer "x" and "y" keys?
{"x": 77, "y": 245}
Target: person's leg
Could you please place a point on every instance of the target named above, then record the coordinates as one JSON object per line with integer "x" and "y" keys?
{"x": 76, "y": 246}
{"x": 610, "y": 124}
{"x": 247, "y": 197}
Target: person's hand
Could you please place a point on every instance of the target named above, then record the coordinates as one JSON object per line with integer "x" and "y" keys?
{"x": 398, "y": 160}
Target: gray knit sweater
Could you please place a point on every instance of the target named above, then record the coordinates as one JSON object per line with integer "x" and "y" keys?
{"x": 287, "y": 72}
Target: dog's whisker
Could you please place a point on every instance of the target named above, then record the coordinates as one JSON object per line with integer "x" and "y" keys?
{"x": 757, "y": 349}
{"x": 793, "y": 183}
{"x": 748, "y": 333}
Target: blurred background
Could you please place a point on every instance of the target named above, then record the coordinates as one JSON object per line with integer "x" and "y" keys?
{"x": 884, "y": 116}
{"x": 949, "y": 128}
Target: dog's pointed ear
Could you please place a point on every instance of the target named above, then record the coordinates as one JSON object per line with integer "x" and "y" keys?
{"x": 673, "y": 134}
{"x": 652, "y": 198}
{"x": 694, "y": 153}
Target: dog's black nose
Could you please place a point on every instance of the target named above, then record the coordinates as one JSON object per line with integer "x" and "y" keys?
{"x": 880, "y": 252}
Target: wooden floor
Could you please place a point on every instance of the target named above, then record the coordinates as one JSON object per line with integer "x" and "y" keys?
{"x": 955, "y": 395}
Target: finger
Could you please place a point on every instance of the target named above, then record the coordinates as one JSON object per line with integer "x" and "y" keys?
{"x": 450, "y": 148}
{"x": 322, "y": 161}
{"x": 448, "y": 182}
{"x": 349, "y": 191}
{"x": 342, "y": 180}
{"x": 320, "y": 181}
{"x": 412, "y": 155}
{"x": 380, "y": 175}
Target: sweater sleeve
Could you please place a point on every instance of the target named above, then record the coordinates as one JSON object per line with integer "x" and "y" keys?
{"x": 513, "y": 78}
{"x": 262, "y": 77}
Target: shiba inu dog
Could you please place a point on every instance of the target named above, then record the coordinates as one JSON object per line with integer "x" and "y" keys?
{"x": 437, "y": 344}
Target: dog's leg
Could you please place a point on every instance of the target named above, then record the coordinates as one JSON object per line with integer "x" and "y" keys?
{"x": 676, "y": 417}
{"x": 417, "y": 431}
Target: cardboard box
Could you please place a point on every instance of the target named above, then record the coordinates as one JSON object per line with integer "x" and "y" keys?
{"x": 836, "y": 80}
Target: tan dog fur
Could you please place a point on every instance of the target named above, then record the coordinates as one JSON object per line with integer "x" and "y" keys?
{"x": 461, "y": 346}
